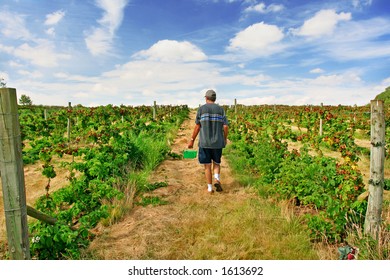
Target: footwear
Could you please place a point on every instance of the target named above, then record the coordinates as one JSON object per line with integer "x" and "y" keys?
{"x": 218, "y": 187}
{"x": 210, "y": 192}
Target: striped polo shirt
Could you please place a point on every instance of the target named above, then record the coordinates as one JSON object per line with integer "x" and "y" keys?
{"x": 211, "y": 118}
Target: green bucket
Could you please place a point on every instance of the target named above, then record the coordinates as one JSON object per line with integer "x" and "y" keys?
{"x": 189, "y": 154}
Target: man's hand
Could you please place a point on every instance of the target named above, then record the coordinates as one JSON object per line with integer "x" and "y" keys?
{"x": 191, "y": 144}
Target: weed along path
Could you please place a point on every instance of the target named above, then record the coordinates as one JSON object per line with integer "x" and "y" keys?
{"x": 190, "y": 224}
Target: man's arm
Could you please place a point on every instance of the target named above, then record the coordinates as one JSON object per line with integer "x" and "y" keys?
{"x": 194, "y": 135}
{"x": 225, "y": 132}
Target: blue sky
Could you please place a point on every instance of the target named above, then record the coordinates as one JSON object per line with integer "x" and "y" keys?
{"x": 134, "y": 52}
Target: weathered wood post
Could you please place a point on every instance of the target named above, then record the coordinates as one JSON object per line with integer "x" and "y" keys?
{"x": 12, "y": 176}
{"x": 40, "y": 216}
{"x": 68, "y": 127}
{"x": 372, "y": 223}
{"x": 321, "y": 121}
{"x": 154, "y": 110}
{"x": 235, "y": 109}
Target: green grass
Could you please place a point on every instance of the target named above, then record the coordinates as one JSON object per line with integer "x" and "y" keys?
{"x": 370, "y": 249}
{"x": 280, "y": 234}
{"x": 151, "y": 200}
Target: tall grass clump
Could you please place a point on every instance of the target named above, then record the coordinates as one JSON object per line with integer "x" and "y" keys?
{"x": 369, "y": 248}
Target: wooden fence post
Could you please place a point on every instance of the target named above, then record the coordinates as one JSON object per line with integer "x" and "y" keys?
{"x": 154, "y": 110}
{"x": 12, "y": 176}
{"x": 372, "y": 223}
{"x": 321, "y": 121}
{"x": 235, "y": 109}
{"x": 68, "y": 127}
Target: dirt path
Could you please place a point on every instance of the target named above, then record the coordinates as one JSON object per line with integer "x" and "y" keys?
{"x": 155, "y": 226}
{"x": 193, "y": 224}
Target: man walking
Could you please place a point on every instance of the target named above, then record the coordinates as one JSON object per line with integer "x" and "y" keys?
{"x": 212, "y": 126}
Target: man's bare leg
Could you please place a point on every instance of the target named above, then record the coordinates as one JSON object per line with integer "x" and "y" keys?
{"x": 217, "y": 172}
{"x": 208, "y": 175}
{"x": 216, "y": 169}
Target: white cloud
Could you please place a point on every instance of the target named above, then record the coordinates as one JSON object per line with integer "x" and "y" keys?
{"x": 114, "y": 10}
{"x": 172, "y": 51}
{"x": 29, "y": 74}
{"x": 74, "y": 78}
{"x": 263, "y": 8}
{"x": 162, "y": 76}
{"x": 363, "y": 30}
{"x": 343, "y": 89}
{"x": 323, "y": 23}
{"x": 259, "y": 39}
{"x": 258, "y": 100}
{"x": 14, "y": 64}
{"x": 386, "y": 82}
{"x": 142, "y": 81}
{"x": 6, "y": 49}
{"x": 317, "y": 71}
{"x": 99, "y": 40}
{"x": 38, "y": 52}
{"x": 357, "y": 40}
{"x": 252, "y": 80}
{"x": 145, "y": 79}
{"x": 13, "y": 26}
{"x": 42, "y": 54}
{"x": 54, "y": 18}
{"x": 275, "y": 8}
{"x": 347, "y": 79}
{"x": 359, "y": 51}
{"x": 360, "y": 3}
{"x": 260, "y": 8}
{"x": 51, "y": 31}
